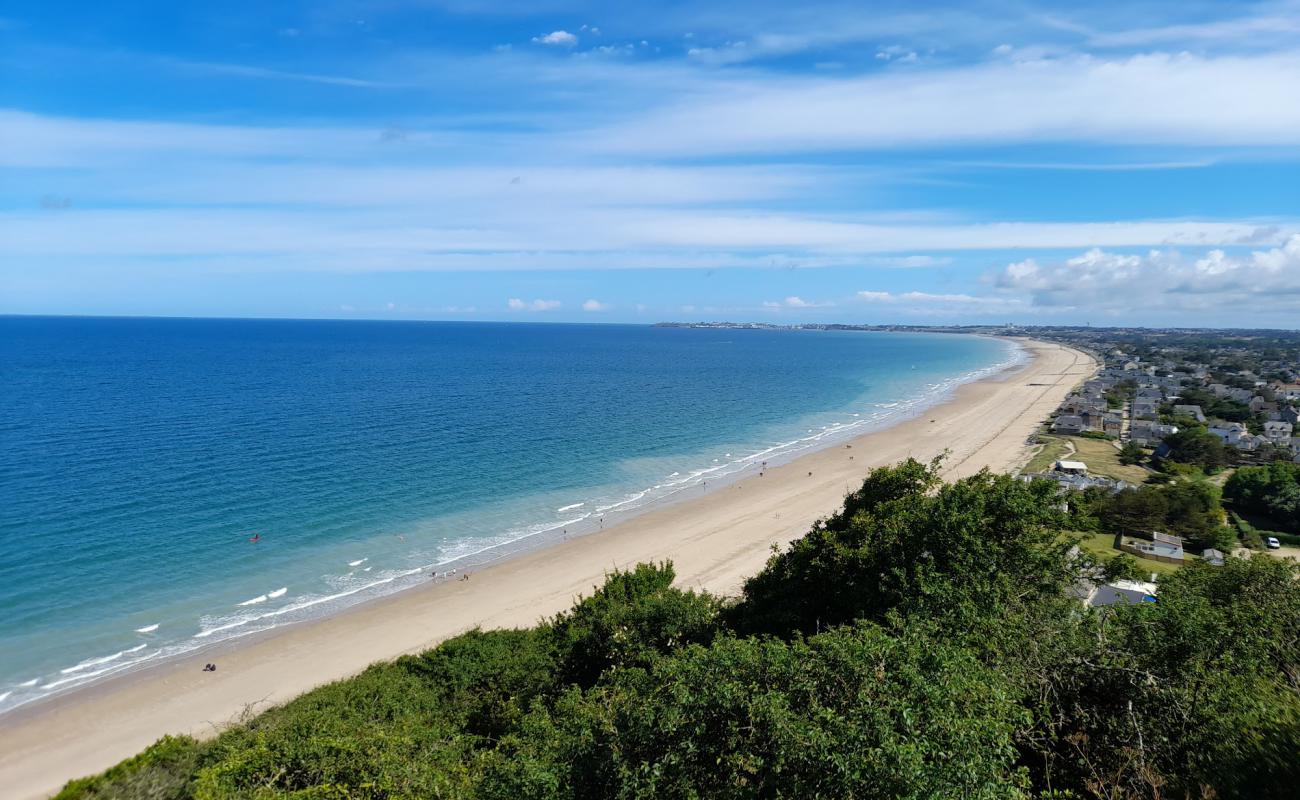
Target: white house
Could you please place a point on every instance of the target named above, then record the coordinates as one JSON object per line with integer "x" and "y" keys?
{"x": 1148, "y": 432}
{"x": 1277, "y": 431}
{"x": 1230, "y": 432}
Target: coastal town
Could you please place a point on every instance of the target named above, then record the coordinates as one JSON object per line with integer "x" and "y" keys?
{"x": 1183, "y": 445}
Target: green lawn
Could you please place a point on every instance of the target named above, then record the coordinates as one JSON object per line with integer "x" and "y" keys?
{"x": 1103, "y": 459}
{"x": 1052, "y": 449}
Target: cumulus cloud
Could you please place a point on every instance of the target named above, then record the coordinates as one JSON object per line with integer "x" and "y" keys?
{"x": 515, "y": 304}
{"x": 594, "y": 305}
{"x": 557, "y": 38}
{"x": 1263, "y": 280}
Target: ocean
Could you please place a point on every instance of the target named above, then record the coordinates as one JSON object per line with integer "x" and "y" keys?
{"x": 170, "y": 484}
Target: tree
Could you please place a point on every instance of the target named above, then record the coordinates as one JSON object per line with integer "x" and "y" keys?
{"x": 1141, "y": 510}
{"x": 634, "y": 616}
{"x": 1131, "y": 453}
{"x": 1196, "y": 446}
{"x": 904, "y": 548}
{"x": 1272, "y": 491}
{"x": 859, "y": 711}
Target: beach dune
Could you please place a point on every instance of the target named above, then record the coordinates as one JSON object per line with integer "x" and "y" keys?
{"x": 715, "y": 542}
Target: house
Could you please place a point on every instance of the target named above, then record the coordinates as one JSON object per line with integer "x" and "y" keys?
{"x": 1161, "y": 547}
{"x": 1213, "y": 557}
{"x": 1230, "y": 432}
{"x": 1078, "y": 483}
{"x": 1144, "y": 409}
{"x": 1155, "y": 395}
{"x": 1112, "y": 424}
{"x": 1194, "y": 412}
{"x": 1069, "y": 424}
{"x": 1249, "y": 442}
{"x": 1119, "y": 592}
{"x": 1148, "y": 432}
{"x": 1286, "y": 391}
{"x": 1079, "y": 404}
{"x": 1277, "y": 431}
{"x": 1259, "y": 405}
{"x": 1230, "y": 393}
{"x": 1072, "y": 467}
{"x": 1289, "y": 414}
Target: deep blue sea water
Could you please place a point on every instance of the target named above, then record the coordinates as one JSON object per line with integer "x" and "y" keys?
{"x": 138, "y": 457}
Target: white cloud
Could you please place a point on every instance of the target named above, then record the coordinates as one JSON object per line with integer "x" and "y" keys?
{"x": 944, "y": 305}
{"x": 594, "y": 305}
{"x": 558, "y": 38}
{"x": 1146, "y": 99}
{"x": 1261, "y": 281}
{"x": 795, "y": 301}
{"x": 515, "y": 304}
{"x": 876, "y": 297}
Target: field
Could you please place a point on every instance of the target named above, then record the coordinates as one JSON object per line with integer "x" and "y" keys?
{"x": 1052, "y": 450}
{"x": 1101, "y": 457}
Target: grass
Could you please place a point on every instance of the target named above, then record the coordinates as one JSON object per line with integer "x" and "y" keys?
{"x": 1102, "y": 547}
{"x": 1052, "y": 450}
{"x": 1102, "y": 458}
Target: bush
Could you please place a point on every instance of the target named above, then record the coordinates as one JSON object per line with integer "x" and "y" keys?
{"x": 163, "y": 771}
{"x": 924, "y": 642}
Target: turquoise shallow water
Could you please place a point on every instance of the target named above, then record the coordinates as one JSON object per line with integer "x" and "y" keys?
{"x": 139, "y": 456}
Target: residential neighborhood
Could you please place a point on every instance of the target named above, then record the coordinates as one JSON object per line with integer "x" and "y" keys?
{"x": 1181, "y": 446}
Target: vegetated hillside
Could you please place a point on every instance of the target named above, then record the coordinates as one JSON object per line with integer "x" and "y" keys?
{"x": 921, "y": 643}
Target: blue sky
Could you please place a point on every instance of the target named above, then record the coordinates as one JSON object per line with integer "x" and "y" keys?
{"x": 1112, "y": 163}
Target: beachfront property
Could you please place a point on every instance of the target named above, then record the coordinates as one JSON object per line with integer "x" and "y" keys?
{"x": 1072, "y": 467}
{"x": 1077, "y": 482}
{"x": 1069, "y": 424}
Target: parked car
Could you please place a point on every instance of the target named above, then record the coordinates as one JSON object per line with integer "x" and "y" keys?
{"x": 1272, "y": 542}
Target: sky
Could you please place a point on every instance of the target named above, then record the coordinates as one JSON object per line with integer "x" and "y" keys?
{"x": 1114, "y": 163}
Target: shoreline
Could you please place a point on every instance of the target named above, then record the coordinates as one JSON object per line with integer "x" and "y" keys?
{"x": 715, "y": 540}
{"x": 93, "y": 670}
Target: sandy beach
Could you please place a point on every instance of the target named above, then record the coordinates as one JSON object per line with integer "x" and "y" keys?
{"x": 715, "y": 542}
